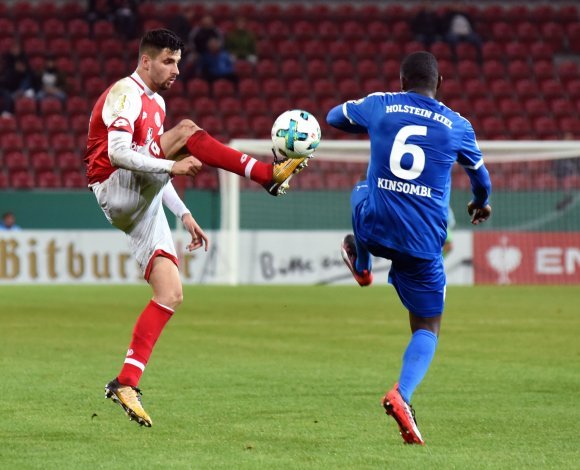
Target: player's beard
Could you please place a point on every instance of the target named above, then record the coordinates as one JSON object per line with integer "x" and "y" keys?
{"x": 166, "y": 85}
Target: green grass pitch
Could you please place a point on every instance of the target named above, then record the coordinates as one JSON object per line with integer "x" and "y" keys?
{"x": 289, "y": 377}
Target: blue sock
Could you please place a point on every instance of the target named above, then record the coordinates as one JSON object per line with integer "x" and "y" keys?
{"x": 416, "y": 362}
{"x": 363, "y": 258}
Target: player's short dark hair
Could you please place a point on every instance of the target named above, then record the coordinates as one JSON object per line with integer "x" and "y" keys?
{"x": 155, "y": 40}
{"x": 420, "y": 70}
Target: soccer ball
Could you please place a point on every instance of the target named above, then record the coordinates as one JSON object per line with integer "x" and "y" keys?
{"x": 295, "y": 134}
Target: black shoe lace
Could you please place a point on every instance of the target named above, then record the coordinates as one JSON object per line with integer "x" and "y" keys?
{"x": 139, "y": 393}
{"x": 276, "y": 159}
{"x": 413, "y": 414}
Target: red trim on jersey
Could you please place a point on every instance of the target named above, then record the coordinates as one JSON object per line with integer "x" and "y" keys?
{"x": 120, "y": 124}
{"x": 137, "y": 82}
{"x": 155, "y": 254}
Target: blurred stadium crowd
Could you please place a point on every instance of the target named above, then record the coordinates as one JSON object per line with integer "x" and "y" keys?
{"x": 511, "y": 69}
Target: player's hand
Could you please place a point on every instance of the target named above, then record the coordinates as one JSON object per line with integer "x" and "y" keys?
{"x": 198, "y": 236}
{"x": 478, "y": 214}
{"x": 189, "y": 166}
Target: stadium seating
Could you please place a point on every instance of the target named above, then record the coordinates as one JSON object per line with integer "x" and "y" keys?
{"x": 573, "y": 89}
{"x": 546, "y": 128}
{"x": 7, "y": 125}
{"x": 366, "y": 49}
{"x": 494, "y": 128}
{"x": 266, "y": 68}
{"x": 314, "y": 49}
{"x": 230, "y": 106}
{"x": 42, "y": 161}
{"x": 520, "y": 128}
{"x": 16, "y": 161}
{"x": 494, "y": 69}
{"x": 21, "y": 179}
{"x": 27, "y": 27}
{"x": 12, "y": 142}
{"x": 48, "y": 180}
{"x": 291, "y": 68}
{"x": 7, "y": 28}
{"x": 31, "y": 123}
{"x": 569, "y": 126}
{"x": 543, "y": 69}
{"x": 74, "y": 180}
{"x": 24, "y": 106}
{"x": 311, "y": 55}
{"x": 298, "y": 88}
{"x": 78, "y": 29}
{"x": 197, "y": 87}
{"x": 53, "y": 28}
{"x": 50, "y": 106}
{"x": 510, "y": 107}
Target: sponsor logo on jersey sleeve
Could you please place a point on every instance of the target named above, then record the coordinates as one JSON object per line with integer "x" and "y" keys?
{"x": 121, "y": 124}
{"x": 154, "y": 149}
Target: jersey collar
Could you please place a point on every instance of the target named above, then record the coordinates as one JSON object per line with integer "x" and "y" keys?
{"x": 137, "y": 79}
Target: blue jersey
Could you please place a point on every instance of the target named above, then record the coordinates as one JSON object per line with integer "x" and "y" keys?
{"x": 415, "y": 140}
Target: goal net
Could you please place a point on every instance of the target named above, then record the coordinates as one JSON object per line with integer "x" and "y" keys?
{"x": 533, "y": 236}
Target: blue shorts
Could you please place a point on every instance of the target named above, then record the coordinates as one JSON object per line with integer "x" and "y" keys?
{"x": 420, "y": 283}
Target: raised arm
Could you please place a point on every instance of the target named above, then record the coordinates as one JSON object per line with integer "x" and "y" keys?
{"x": 339, "y": 117}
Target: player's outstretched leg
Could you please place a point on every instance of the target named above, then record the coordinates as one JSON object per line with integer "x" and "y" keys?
{"x": 189, "y": 138}
{"x": 403, "y": 414}
{"x": 129, "y": 398}
{"x": 349, "y": 255}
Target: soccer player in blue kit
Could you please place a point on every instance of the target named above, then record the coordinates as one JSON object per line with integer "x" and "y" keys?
{"x": 400, "y": 211}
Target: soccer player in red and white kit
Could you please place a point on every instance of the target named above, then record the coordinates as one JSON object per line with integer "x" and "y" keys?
{"x": 130, "y": 162}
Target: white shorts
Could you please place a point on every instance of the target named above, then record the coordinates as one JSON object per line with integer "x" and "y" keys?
{"x": 133, "y": 203}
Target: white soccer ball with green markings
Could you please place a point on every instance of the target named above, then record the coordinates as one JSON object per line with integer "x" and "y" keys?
{"x": 295, "y": 134}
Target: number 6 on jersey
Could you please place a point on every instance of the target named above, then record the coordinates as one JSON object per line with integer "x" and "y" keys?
{"x": 400, "y": 148}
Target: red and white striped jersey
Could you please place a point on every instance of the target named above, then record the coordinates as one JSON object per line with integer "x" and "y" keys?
{"x": 127, "y": 105}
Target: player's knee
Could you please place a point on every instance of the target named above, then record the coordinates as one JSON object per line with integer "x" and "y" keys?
{"x": 178, "y": 299}
{"x": 172, "y": 299}
{"x": 187, "y": 128}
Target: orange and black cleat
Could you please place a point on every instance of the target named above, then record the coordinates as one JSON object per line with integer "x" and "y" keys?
{"x": 403, "y": 414}
{"x": 348, "y": 251}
